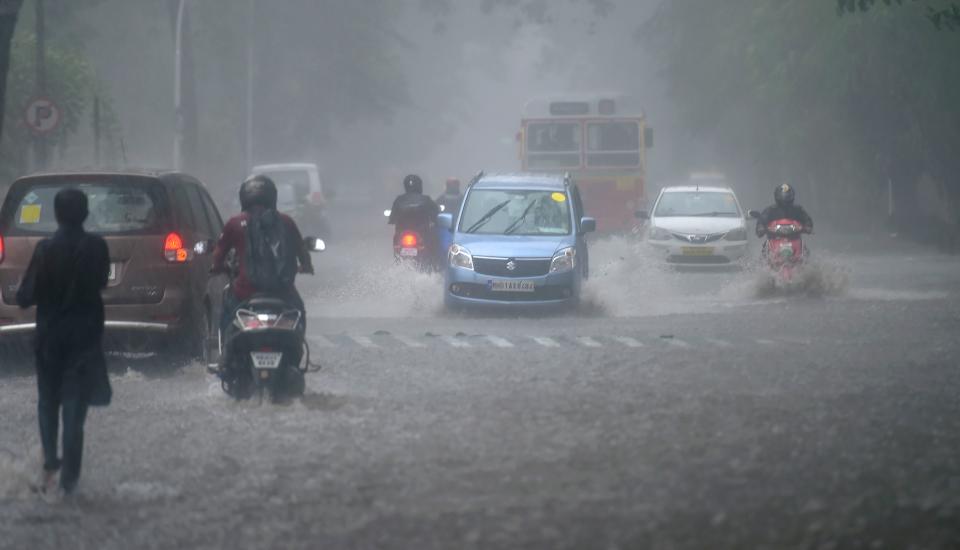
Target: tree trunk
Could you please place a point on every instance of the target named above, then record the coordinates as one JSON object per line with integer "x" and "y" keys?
{"x": 9, "y": 10}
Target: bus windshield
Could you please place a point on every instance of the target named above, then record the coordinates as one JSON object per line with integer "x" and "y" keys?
{"x": 613, "y": 143}
{"x": 553, "y": 144}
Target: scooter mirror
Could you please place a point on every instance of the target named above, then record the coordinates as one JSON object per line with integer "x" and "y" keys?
{"x": 753, "y": 214}
{"x": 386, "y": 213}
{"x": 314, "y": 244}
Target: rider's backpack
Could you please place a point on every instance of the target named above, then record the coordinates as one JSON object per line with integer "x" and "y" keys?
{"x": 270, "y": 261}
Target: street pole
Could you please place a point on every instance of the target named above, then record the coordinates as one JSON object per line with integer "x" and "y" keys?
{"x": 177, "y": 89}
{"x": 96, "y": 131}
{"x": 40, "y": 140}
{"x": 249, "y": 132}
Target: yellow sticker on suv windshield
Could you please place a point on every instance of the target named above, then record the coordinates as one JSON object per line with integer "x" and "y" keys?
{"x": 30, "y": 213}
{"x": 559, "y": 197}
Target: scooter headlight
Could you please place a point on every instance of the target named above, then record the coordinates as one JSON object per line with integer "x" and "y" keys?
{"x": 565, "y": 260}
{"x": 460, "y": 257}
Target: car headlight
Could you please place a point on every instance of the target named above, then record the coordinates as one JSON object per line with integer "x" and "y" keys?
{"x": 739, "y": 234}
{"x": 564, "y": 260}
{"x": 460, "y": 257}
{"x": 659, "y": 234}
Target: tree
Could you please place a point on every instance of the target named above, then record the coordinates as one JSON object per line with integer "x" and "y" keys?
{"x": 941, "y": 16}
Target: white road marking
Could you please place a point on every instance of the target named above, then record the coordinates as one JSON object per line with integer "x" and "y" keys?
{"x": 499, "y": 342}
{"x": 364, "y": 341}
{"x": 588, "y": 342}
{"x": 718, "y": 342}
{"x": 456, "y": 342}
{"x": 677, "y": 343}
{"x": 409, "y": 342}
{"x": 628, "y": 341}
{"x": 545, "y": 342}
{"x": 320, "y": 342}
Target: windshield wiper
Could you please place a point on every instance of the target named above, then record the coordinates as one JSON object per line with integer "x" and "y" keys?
{"x": 486, "y": 217}
{"x": 513, "y": 226}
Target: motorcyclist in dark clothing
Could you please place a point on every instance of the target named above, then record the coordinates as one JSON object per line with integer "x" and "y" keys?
{"x": 452, "y": 197}
{"x": 258, "y": 199}
{"x": 413, "y": 210}
{"x": 784, "y": 209}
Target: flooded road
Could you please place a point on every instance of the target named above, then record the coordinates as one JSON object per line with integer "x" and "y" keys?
{"x": 677, "y": 410}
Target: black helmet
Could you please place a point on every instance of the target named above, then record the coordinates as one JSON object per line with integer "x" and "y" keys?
{"x": 784, "y": 195}
{"x": 258, "y": 191}
{"x": 413, "y": 184}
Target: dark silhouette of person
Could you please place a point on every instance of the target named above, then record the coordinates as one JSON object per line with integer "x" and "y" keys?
{"x": 64, "y": 280}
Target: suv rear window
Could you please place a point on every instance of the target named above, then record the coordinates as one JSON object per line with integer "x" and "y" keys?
{"x": 118, "y": 206}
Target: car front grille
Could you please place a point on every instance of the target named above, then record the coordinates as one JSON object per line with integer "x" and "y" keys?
{"x": 500, "y": 267}
{"x": 698, "y": 239}
{"x": 482, "y": 292}
{"x": 698, "y": 260}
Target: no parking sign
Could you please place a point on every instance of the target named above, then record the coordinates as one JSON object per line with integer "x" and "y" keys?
{"x": 42, "y": 115}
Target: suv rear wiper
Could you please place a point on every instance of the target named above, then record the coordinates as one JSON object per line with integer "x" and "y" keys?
{"x": 486, "y": 217}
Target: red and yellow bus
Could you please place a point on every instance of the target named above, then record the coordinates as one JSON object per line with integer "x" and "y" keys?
{"x": 601, "y": 141}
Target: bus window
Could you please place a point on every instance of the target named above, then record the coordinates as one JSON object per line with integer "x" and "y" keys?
{"x": 553, "y": 144}
{"x": 613, "y": 143}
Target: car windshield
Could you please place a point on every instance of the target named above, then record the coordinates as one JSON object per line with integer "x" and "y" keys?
{"x": 116, "y": 207}
{"x": 697, "y": 204}
{"x": 503, "y": 212}
{"x": 293, "y": 186}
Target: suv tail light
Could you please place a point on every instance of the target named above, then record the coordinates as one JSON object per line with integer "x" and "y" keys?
{"x": 2, "y": 249}
{"x": 173, "y": 249}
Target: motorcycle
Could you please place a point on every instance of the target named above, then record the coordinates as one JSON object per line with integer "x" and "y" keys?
{"x": 411, "y": 247}
{"x": 266, "y": 347}
{"x": 784, "y": 252}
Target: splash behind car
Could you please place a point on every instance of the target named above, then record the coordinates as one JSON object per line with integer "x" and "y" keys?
{"x": 518, "y": 241}
{"x": 697, "y": 225}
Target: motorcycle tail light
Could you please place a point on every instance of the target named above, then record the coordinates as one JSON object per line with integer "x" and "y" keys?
{"x": 409, "y": 240}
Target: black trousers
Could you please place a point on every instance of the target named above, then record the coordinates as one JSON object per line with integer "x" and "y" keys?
{"x": 60, "y": 394}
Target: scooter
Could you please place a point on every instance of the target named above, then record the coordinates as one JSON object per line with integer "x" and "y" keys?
{"x": 784, "y": 252}
{"x": 266, "y": 347}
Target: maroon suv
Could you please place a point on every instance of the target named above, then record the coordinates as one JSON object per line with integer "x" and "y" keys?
{"x": 160, "y": 228}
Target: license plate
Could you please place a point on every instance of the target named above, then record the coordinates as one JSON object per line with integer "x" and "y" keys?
{"x": 266, "y": 359}
{"x": 697, "y": 250}
{"x": 513, "y": 286}
{"x": 113, "y": 272}
{"x": 409, "y": 252}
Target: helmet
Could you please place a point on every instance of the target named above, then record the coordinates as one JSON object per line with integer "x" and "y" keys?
{"x": 784, "y": 195}
{"x": 258, "y": 191}
{"x": 413, "y": 184}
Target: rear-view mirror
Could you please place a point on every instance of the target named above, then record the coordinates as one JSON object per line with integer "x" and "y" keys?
{"x": 648, "y": 138}
{"x": 588, "y": 225}
{"x": 753, "y": 214}
{"x": 313, "y": 244}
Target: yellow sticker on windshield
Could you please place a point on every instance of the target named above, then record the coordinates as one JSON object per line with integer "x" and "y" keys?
{"x": 559, "y": 197}
{"x": 30, "y": 213}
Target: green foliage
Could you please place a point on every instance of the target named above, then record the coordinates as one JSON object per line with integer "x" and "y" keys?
{"x": 789, "y": 90}
{"x": 942, "y": 16}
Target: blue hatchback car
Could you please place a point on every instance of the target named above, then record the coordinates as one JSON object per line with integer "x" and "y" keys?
{"x": 518, "y": 240}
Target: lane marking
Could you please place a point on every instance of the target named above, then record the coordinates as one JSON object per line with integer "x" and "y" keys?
{"x": 545, "y": 342}
{"x": 719, "y": 343}
{"x": 588, "y": 342}
{"x": 364, "y": 341}
{"x": 628, "y": 341}
{"x": 320, "y": 342}
{"x": 409, "y": 342}
{"x": 456, "y": 342}
{"x": 676, "y": 342}
{"x": 499, "y": 342}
